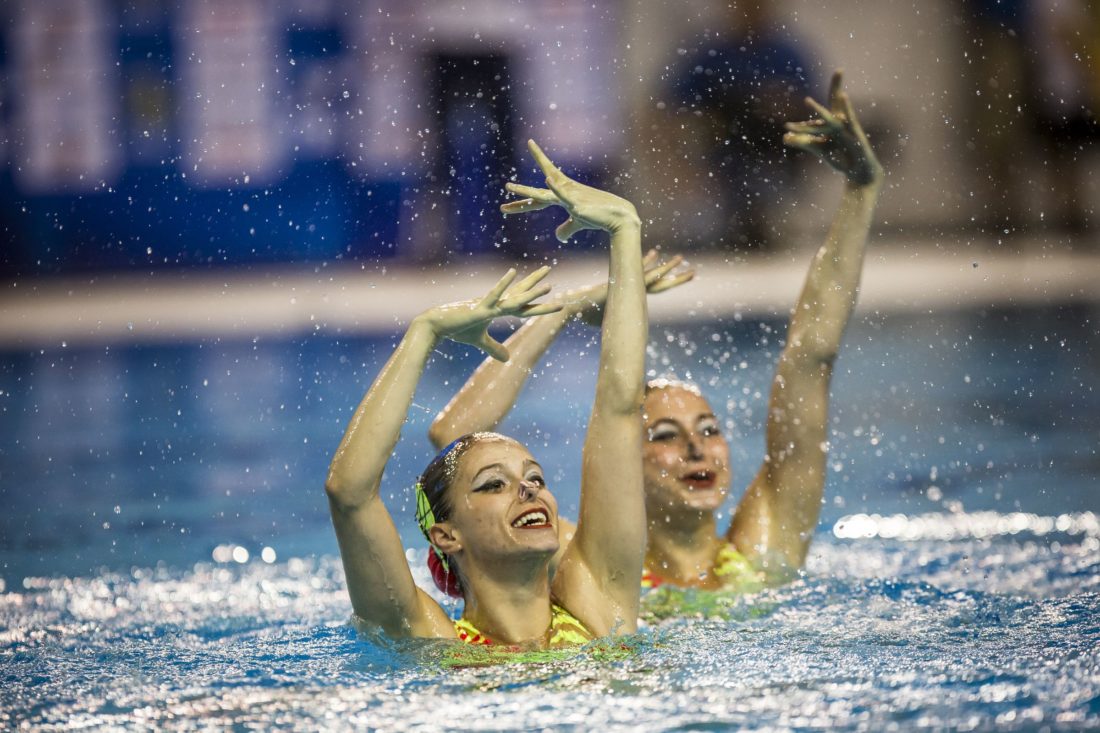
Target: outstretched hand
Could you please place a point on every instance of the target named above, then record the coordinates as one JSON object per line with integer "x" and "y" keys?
{"x": 468, "y": 321}
{"x": 836, "y": 137}
{"x": 587, "y": 303}
{"x": 588, "y": 208}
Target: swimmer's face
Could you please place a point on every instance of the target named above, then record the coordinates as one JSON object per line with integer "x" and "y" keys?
{"x": 685, "y": 455}
{"x": 501, "y": 504}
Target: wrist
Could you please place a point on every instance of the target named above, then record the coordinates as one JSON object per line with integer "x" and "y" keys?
{"x": 422, "y": 327}
{"x": 868, "y": 182}
{"x": 628, "y": 221}
{"x": 573, "y": 309}
{"x": 582, "y": 298}
{"x": 867, "y": 175}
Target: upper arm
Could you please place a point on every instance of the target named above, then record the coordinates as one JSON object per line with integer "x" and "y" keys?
{"x": 566, "y": 531}
{"x": 378, "y": 577}
{"x": 779, "y": 511}
{"x": 599, "y": 576}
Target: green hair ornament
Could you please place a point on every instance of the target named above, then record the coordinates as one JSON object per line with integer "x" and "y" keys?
{"x": 438, "y": 564}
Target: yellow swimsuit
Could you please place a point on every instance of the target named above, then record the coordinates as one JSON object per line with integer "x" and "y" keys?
{"x": 731, "y": 567}
{"x": 565, "y": 630}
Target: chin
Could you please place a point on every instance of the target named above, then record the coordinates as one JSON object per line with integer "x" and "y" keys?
{"x": 541, "y": 541}
{"x": 701, "y": 504}
{"x": 709, "y": 500}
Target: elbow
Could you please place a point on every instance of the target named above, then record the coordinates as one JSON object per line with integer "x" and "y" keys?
{"x": 437, "y": 434}
{"x": 812, "y": 352}
{"x": 636, "y": 398}
{"x": 335, "y": 492}
{"x": 341, "y": 495}
{"x": 625, "y": 397}
{"x": 621, "y": 383}
{"x": 823, "y": 358}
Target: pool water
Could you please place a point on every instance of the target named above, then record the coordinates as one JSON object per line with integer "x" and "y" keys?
{"x": 167, "y": 561}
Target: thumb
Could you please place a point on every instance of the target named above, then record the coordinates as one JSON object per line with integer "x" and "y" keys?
{"x": 492, "y": 347}
{"x": 568, "y": 228}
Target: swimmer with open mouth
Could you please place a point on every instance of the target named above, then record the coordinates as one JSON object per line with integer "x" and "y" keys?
{"x": 686, "y": 454}
{"x": 482, "y": 503}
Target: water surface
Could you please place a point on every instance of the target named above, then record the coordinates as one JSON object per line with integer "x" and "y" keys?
{"x": 167, "y": 561}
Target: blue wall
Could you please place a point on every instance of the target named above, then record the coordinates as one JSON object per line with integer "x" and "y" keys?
{"x": 149, "y": 213}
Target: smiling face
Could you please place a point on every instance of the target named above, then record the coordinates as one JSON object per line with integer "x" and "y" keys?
{"x": 501, "y": 506}
{"x": 686, "y": 457}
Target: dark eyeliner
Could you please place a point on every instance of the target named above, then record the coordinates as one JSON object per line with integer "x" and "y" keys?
{"x": 489, "y": 485}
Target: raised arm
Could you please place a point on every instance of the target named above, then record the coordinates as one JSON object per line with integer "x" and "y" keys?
{"x": 598, "y": 578}
{"x": 775, "y": 520}
{"x": 378, "y": 577}
{"x": 491, "y": 391}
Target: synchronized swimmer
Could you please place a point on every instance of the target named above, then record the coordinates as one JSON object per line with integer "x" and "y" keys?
{"x": 483, "y": 504}
{"x": 686, "y": 456}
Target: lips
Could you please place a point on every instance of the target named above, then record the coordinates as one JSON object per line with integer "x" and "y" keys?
{"x": 700, "y": 480}
{"x": 532, "y": 519}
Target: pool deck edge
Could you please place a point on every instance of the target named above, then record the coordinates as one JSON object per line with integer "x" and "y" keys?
{"x": 354, "y": 299}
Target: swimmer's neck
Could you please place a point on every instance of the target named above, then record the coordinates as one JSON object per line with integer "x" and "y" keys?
{"x": 510, "y": 601}
{"x": 683, "y": 551}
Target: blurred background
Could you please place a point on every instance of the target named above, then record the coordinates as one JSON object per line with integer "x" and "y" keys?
{"x": 145, "y": 135}
{"x": 215, "y": 216}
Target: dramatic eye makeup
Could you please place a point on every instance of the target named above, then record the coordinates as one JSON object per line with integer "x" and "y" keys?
{"x": 663, "y": 430}
{"x": 666, "y": 430}
{"x": 489, "y": 478}
{"x": 490, "y": 484}
{"x": 708, "y": 425}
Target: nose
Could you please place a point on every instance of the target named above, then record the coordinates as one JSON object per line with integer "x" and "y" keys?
{"x": 694, "y": 446}
{"x": 528, "y": 490}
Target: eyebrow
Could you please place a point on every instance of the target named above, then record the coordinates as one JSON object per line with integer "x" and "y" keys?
{"x": 673, "y": 421}
{"x": 483, "y": 469}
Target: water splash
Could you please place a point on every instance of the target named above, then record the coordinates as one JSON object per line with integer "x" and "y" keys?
{"x": 996, "y": 631}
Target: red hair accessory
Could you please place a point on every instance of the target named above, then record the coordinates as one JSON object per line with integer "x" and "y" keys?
{"x": 445, "y": 580}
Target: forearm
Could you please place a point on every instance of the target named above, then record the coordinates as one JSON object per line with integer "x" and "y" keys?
{"x": 373, "y": 430}
{"x": 829, "y": 294}
{"x": 620, "y": 380}
{"x": 491, "y": 390}
{"x": 611, "y": 524}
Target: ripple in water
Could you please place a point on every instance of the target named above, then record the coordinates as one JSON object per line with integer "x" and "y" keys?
{"x": 991, "y": 629}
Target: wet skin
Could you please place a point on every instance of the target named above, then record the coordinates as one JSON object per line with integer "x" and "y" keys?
{"x": 685, "y": 455}
{"x": 502, "y": 509}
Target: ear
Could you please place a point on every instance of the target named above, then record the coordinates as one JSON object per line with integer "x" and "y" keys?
{"x": 444, "y": 537}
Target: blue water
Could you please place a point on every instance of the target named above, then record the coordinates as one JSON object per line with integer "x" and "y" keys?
{"x": 167, "y": 561}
